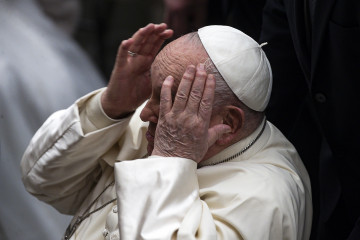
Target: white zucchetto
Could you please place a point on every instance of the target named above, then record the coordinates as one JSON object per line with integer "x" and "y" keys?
{"x": 241, "y": 62}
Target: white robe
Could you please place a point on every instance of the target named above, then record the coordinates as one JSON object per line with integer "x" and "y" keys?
{"x": 262, "y": 194}
{"x": 42, "y": 70}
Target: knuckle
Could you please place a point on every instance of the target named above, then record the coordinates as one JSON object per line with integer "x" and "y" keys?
{"x": 185, "y": 119}
{"x": 201, "y": 74}
{"x": 196, "y": 94}
{"x": 194, "y": 98}
{"x": 211, "y": 84}
{"x": 165, "y": 83}
{"x": 180, "y": 95}
{"x": 205, "y": 107}
{"x": 206, "y": 103}
{"x": 187, "y": 77}
{"x": 164, "y": 98}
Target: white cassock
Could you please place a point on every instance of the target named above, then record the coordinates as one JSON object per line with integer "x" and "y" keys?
{"x": 42, "y": 70}
{"x": 74, "y": 158}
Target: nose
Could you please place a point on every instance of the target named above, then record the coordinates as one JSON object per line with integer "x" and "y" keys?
{"x": 150, "y": 112}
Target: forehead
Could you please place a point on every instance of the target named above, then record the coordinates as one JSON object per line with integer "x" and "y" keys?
{"x": 169, "y": 62}
{"x": 173, "y": 59}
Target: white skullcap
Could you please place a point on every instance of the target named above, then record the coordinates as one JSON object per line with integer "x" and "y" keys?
{"x": 241, "y": 62}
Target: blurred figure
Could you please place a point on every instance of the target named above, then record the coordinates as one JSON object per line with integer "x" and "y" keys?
{"x": 185, "y": 16}
{"x": 65, "y": 14}
{"x": 315, "y": 56}
{"x": 41, "y": 70}
{"x": 105, "y": 23}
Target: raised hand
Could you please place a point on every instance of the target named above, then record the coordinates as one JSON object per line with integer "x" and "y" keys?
{"x": 183, "y": 126}
{"x": 130, "y": 83}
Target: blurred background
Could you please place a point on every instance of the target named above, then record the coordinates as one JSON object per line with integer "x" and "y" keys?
{"x": 103, "y": 24}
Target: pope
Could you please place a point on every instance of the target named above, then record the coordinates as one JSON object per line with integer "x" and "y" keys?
{"x": 177, "y": 146}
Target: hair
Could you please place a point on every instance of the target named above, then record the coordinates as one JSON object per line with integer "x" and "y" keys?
{"x": 223, "y": 94}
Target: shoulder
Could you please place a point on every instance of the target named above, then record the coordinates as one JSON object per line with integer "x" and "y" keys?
{"x": 254, "y": 196}
{"x": 247, "y": 180}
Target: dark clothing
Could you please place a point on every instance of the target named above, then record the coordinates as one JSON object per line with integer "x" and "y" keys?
{"x": 315, "y": 59}
{"x": 105, "y": 23}
{"x": 244, "y": 15}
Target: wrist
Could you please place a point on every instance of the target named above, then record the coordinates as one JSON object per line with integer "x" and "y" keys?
{"x": 174, "y": 154}
{"x": 112, "y": 109}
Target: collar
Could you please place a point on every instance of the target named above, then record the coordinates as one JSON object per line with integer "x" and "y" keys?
{"x": 237, "y": 149}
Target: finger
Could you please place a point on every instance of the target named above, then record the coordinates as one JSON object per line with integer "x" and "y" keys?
{"x": 159, "y": 28}
{"x": 165, "y": 96}
{"x": 197, "y": 90}
{"x": 140, "y": 36}
{"x": 215, "y": 132}
{"x": 207, "y": 99}
{"x": 123, "y": 52}
{"x": 150, "y": 42}
{"x": 184, "y": 88}
{"x": 168, "y": 33}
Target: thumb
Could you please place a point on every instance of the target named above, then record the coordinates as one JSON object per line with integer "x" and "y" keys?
{"x": 216, "y": 132}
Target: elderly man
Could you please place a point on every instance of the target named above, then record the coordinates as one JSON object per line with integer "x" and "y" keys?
{"x": 216, "y": 168}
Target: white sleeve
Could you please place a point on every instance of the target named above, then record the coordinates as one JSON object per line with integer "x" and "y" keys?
{"x": 61, "y": 163}
{"x": 159, "y": 199}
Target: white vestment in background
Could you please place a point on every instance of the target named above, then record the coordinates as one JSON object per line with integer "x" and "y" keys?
{"x": 41, "y": 70}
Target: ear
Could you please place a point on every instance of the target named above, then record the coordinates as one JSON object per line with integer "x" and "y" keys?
{"x": 233, "y": 117}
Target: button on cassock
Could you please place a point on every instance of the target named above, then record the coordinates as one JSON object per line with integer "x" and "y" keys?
{"x": 114, "y": 209}
{"x": 105, "y": 232}
{"x": 320, "y": 98}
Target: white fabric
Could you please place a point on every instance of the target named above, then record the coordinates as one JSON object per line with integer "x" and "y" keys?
{"x": 262, "y": 194}
{"x": 64, "y": 13}
{"x": 41, "y": 70}
{"x": 241, "y": 62}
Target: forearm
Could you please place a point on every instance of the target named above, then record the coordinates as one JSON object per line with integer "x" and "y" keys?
{"x": 61, "y": 163}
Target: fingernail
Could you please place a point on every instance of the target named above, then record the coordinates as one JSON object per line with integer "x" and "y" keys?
{"x": 168, "y": 78}
{"x": 190, "y": 69}
{"x": 201, "y": 66}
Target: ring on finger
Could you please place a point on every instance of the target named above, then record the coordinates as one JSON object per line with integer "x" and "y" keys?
{"x": 132, "y": 54}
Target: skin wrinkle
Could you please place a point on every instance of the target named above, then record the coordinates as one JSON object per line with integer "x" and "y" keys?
{"x": 171, "y": 64}
{"x": 169, "y": 147}
{"x": 173, "y": 133}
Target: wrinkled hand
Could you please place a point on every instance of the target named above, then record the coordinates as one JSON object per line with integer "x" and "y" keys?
{"x": 130, "y": 83}
{"x": 183, "y": 126}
